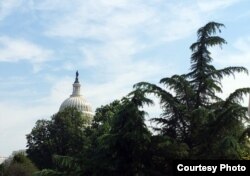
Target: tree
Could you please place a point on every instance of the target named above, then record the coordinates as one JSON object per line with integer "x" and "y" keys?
{"x": 194, "y": 111}
{"x": 18, "y": 165}
{"x": 100, "y": 128}
{"x": 66, "y": 166}
{"x": 125, "y": 143}
{"x": 91, "y": 160}
{"x": 195, "y": 124}
{"x": 40, "y": 148}
{"x": 129, "y": 138}
{"x": 67, "y": 132}
{"x": 62, "y": 135}
{"x": 103, "y": 119}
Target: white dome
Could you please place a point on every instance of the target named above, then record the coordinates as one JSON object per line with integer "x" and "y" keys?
{"x": 76, "y": 100}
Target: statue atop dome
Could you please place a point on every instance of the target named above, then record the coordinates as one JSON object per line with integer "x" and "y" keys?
{"x": 76, "y": 80}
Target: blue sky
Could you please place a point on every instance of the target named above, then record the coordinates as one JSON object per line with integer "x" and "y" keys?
{"x": 112, "y": 43}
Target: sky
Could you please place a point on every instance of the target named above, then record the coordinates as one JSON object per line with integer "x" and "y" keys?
{"x": 112, "y": 43}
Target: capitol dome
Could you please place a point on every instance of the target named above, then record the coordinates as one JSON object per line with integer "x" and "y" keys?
{"x": 77, "y": 101}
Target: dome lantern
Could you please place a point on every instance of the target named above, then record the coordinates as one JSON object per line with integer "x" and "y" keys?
{"x": 76, "y": 87}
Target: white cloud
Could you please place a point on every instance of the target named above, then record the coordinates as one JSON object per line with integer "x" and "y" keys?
{"x": 13, "y": 50}
{"x": 185, "y": 19}
{"x": 48, "y": 5}
{"x": 111, "y": 21}
{"x": 237, "y": 54}
{"x": 118, "y": 86}
{"x": 7, "y": 7}
{"x": 211, "y": 5}
{"x": 120, "y": 28}
{"x": 100, "y": 20}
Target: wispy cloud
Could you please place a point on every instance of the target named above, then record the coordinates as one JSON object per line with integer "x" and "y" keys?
{"x": 7, "y": 7}
{"x": 108, "y": 20}
{"x": 15, "y": 50}
{"x": 238, "y": 53}
{"x": 208, "y": 6}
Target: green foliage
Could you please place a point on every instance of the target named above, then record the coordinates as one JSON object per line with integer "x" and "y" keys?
{"x": 100, "y": 128}
{"x": 129, "y": 137}
{"x": 90, "y": 159}
{"x": 62, "y": 135}
{"x": 67, "y": 132}
{"x": 120, "y": 149}
{"x": 103, "y": 118}
{"x": 67, "y": 166}
{"x": 194, "y": 115}
{"x": 195, "y": 124}
{"x": 40, "y": 148}
{"x": 18, "y": 165}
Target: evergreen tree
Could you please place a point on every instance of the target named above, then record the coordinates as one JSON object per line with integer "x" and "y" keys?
{"x": 194, "y": 111}
{"x": 129, "y": 137}
{"x": 100, "y": 128}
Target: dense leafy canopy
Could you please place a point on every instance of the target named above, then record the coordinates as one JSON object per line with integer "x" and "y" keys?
{"x": 62, "y": 135}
